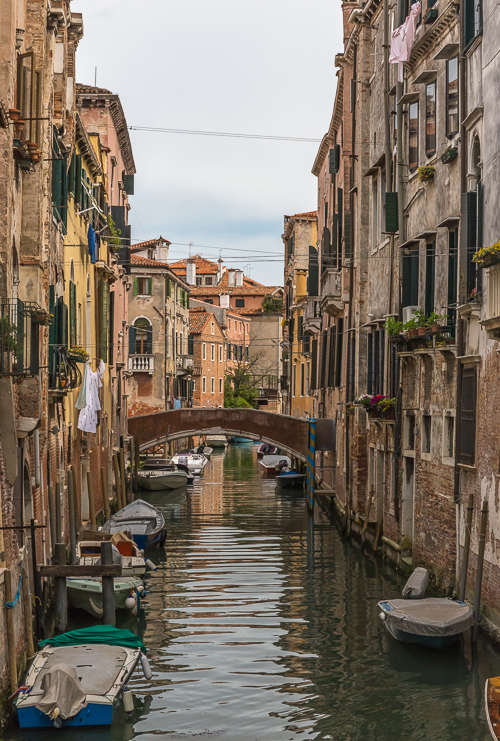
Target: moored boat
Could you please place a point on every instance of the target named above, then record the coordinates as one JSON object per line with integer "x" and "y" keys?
{"x": 79, "y": 678}
{"x": 195, "y": 462}
{"x": 433, "y": 622}
{"x": 125, "y": 552}
{"x": 492, "y": 704}
{"x": 205, "y": 450}
{"x": 266, "y": 449}
{"x": 241, "y": 440}
{"x": 86, "y": 593}
{"x": 290, "y": 479}
{"x": 161, "y": 473}
{"x": 216, "y": 441}
{"x": 144, "y": 522}
{"x": 269, "y": 463}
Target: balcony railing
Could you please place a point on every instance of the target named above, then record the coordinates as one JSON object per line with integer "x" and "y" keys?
{"x": 19, "y": 337}
{"x": 141, "y": 363}
{"x": 184, "y": 362}
{"x": 331, "y": 292}
{"x": 312, "y": 315}
{"x": 64, "y": 374}
{"x": 197, "y": 370}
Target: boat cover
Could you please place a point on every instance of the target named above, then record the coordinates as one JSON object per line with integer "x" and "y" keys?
{"x": 106, "y": 634}
{"x": 63, "y": 694}
{"x": 434, "y": 616}
{"x": 416, "y": 585}
{"x": 270, "y": 461}
{"x": 99, "y": 535}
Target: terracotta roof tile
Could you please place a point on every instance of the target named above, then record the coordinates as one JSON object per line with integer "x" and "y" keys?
{"x": 198, "y": 320}
{"x": 203, "y": 266}
{"x": 247, "y": 312}
{"x": 305, "y": 215}
{"x": 150, "y": 243}
{"x": 234, "y": 290}
{"x": 138, "y": 260}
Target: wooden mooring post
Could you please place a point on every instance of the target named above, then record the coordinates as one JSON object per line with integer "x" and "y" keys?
{"x": 108, "y": 585}
{"x": 90, "y": 489}
{"x": 118, "y": 486}
{"x": 60, "y": 591}
{"x": 104, "y": 486}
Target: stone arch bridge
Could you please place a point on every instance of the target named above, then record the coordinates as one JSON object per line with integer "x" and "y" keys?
{"x": 290, "y": 434}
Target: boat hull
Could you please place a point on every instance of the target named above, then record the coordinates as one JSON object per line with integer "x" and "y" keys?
{"x": 241, "y": 440}
{"x": 492, "y": 705}
{"x": 159, "y": 483}
{"x": 144, "y": 522}
{"x": 86, "y": 594}
{"x": 94, "y": 714}
{"x": 435, "y": 642}
{"x": 290, "y": 480}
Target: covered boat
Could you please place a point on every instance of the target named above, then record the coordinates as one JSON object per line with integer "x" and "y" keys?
{"x": 79, "y": 678}
{"x": 125, "y": 552}
{"x": 269, "y": 463}
{"x": 492, "y": 702}
{"x": 266, "y": 449}
{"x": 161, "y": 473}
{"x": 434, "y": 622}
{"x": 142, "y": 521}
{"x": 216, "y": 441}
{"x": 195, "y": 462}
{"x": 290, "y": 479}
{"x": 205, "y": 450}
{"x": 86, "y": 593}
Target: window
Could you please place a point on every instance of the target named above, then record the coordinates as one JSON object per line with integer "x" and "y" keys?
{"x": 374, "y": 211}
{"x": 452, "y": 97}
{"x": 449, "y": 437}
{"x": 213, "y": 353}
{"x": 430, "y": 276}
{"x": 229, "y": 323}
{"x": 240, "y": 327}
{"x": 410, "y": 278}
{"x": 198, "y": 280}
{"x": 302, "y": 380}
{"x": 209, "y": 301}
{"x": 413, "y": 137}
{"x": 212, "y": 328}
{"x": 213, "y": 385}
{"x": 220, "y": 385}
{"x": 204, "y": 351}
{"x": 220, "y": 353}
{"x": 468, "y": 417}
{"x": 143, "y": 286}
{"x": 204, "y": 384}
{"x": 430, "y": 119}
{"x": 240, "y": 303}
{"x": 426, "y": 433}
{"x": 294, "y": 378}
{"x": 208, "y": 281}
{"x": 452, "y": 274}
{"x": 376, "y": 360}
{"x": 409, "y": 432}
{"x": 472, "y": 20}
{"x": 308, "y": 375}
{"x": 141, "y": 337}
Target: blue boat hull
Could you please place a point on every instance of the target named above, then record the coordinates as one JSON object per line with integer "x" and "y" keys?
{"x": 146, "y": 542}
{"x": 434, "y": 642}
{"x": 95, "y": 714}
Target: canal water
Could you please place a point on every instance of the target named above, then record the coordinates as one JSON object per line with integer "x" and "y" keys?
{"x": 262, "y": 625}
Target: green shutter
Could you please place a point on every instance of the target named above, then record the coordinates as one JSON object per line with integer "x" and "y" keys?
{"x": 111, "y": 338}
{"x": 71, "y": 175}
{"x": 131, "y": 341}
{"x": 410, "y": 279}
{"x": 313, "y": 276}
{"x": 150, "y": 287}
{"x": 391, "y": 213}
{"x": 149, "y": 341}
{"x": 347, "y": 236}
{"x": 190, "y": 345}
{"x": 169, "y": 287}
{"x": 78, "y": 179}
{"x": 136, "y": 286}
{"x": 128, "y": 183}
{"x": 72, "y": 314}
{"x": 104, "y": 319}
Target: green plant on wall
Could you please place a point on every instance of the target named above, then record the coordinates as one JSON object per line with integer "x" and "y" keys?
{"x": 8, "y": 334}
{"x": 272, "y": 304}
{"x": 114, "y": 234}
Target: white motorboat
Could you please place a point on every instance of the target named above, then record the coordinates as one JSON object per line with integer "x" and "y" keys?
{"x": 125, "y": 552}
{"x": 266, "y": 449}
{"x": 204, "y": 450}
{"x": 269, "y": 463}
{"x": 216, "y": 441}
{"x": 194, "y": 461}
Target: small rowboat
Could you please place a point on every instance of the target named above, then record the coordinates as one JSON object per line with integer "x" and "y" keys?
{"x": 125, "y": 552}
{"x": 492, "y": 702}
{"x": 144, "y": 522}
{"x": 291, "y": 479}
{"x": 269, "y": 463}
{"x": 79, "y": 678}
{"x": 266, "y": 449}
{"x": 86, "y": 594}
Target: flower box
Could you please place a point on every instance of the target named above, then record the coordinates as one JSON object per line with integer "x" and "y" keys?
{"x": 489, "y": 260}
{"x": 449, "y": 155}
{"x": 389, "y": 413}
{"x": 43, "y": 318}
{"x": 426, "y": 173}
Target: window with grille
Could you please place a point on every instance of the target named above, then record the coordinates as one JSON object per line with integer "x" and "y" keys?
{"x": 413, "y": 137}
{"x": 452, "y": 97}
{"x": 240, "y": 303}
{"x": 468, "y": 416}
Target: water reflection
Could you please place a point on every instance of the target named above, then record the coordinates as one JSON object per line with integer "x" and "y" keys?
{"x": 262, "y": 624}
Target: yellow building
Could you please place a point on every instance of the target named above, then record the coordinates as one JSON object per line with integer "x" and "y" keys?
{"x": 301, "y": 278}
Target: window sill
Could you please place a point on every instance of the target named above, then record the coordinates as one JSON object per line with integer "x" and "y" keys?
{"x": 448, "y": 461}
{"x": 409, "y": 453}
{"x": 465, "y": 467}
{"x": 426, "y": 456}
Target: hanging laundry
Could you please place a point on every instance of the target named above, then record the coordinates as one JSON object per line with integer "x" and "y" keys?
{"x": 87, "y": 419}
{"x": 92, "y": 245}
{"x": 97, "y": 245}
{"x": 402, "y": 40}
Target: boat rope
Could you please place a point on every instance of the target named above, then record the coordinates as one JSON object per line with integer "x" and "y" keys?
{"x": 10, "y": 605}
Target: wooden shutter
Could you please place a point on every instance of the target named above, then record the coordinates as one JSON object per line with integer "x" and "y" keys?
{"x": 347, "y": 235}
{"x": 410, "y": 279}
{"x": 331, "y": 359}
{"x": 72, "y": 314}
{"x": 190, "y": 344}
{"x": 71, "y": 175}
{"x": 111, "y": 340}
{"x": 150, "y": 286}
{"x": 468, "y": 416}
{"x": 128, "y": 184}
{"x": 62, "y": 322}
{"x": 300, "y": 331}
{"x": 136, "y": 286}
{"x": 314, "y": 364}
{"x": 391, "y": 213}
{"x": 369, "y": 363}
{"x": 149, "y": 341}
{"x": 313, "y": 275}
{"x": 430, "y": 276}
{"x": 333, "y": 160}
{"x": 131, "y": 341}
{"x": 291, "y": 328}
{"x": 339, "y": 347}
{"x": 78, "y": 179}
{"x": 468, "y": 235}
{"x": 104, "y": 320}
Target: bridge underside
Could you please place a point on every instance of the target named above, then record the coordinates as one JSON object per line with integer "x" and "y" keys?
{"x": 288, "y": 433}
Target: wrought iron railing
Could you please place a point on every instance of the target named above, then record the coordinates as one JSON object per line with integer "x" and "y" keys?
{"x": 19, "y": 337}
{"x": 64, "y": 374}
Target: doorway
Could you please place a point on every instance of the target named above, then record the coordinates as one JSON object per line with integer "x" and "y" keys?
{"x": 408, "y": 499}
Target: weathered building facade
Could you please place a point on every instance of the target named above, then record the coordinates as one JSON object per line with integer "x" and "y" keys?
{"x": 208, "y": 341}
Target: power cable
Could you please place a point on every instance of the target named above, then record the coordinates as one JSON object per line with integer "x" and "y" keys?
{"x": 223, "y": 134}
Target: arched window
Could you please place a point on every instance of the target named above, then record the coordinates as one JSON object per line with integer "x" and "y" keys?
{"x": 141, "y": 337}
{"x": 476, "y": 158}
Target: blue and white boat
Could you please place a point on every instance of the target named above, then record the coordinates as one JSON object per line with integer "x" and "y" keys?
{"x": 79, "y": 678}
{"x": 144, "y": 523}
{"x": 290, "y": 479}
{"x": 238, "y": 440}
{"x": 433, "y": 622}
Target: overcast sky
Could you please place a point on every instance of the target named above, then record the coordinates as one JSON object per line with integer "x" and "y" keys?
{"x": 260, "y": 67}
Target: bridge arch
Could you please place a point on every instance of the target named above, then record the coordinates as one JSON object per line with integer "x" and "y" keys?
{"x": 290, "y": 434}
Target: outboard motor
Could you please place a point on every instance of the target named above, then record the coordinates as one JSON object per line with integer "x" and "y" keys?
{"x": 417, "y": 584}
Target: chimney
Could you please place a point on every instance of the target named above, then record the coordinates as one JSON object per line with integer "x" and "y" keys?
{"x": 239, "y": 278}
{"x": 224, "y": 300}
{"x": 191, "y": 272}
{"x": 230, "y": 277}
{"x": 220, "y": 271}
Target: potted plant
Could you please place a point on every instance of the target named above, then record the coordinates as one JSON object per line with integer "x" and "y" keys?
{"x": 8, "y": 334}
{"x": 426, "y": 173}
{"x": 487, "y": 256}
{"x": 78, "y": 354}
{"x": 374, "y": 410}
{"x": 450, "y": 153}
{"x": 393, "y": 328}
{"x": 387, "y": 408}
{"x": 410, "y": 328}
{"x": 14, "y": 114}
{"x": 18, "y": 127}
{"x": 435, "y": 321}
{"x": 40, "y": 316}
{"x": 364, "y": 400}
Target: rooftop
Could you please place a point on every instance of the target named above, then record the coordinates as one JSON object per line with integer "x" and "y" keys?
{"x": 138, "y": 260}
{"x": 139, "y": 246}
{"x": 245, "y": 290}
{"x": 203, "y": 265}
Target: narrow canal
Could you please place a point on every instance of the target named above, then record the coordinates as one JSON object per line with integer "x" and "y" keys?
{"x": 262, "y": 627}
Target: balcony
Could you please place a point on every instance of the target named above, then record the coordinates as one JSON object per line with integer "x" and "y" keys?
{"x": 184, "y": 362}
{"x": 331, "y": 293}
{"x": 312, "y": 316}
{"x": 141, "y": 363}
{"x": 64, "y": 374}
{"x": 197, "y": 370}
{"x": 19, "y": 337}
